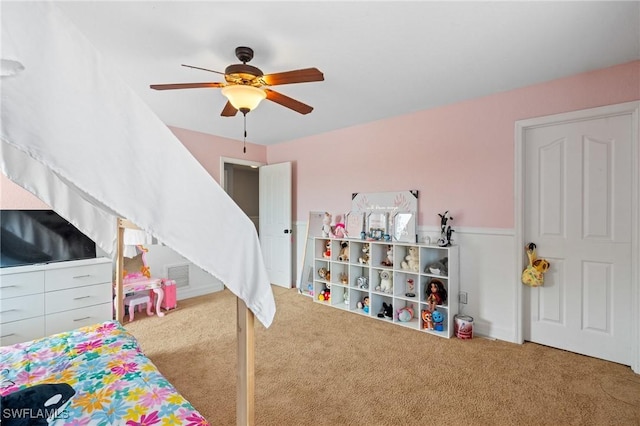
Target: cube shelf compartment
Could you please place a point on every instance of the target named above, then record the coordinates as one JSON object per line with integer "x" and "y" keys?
{"x": 366, "y": 275}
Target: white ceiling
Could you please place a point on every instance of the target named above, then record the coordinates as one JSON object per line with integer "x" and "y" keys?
{"x": 379, "y": 59}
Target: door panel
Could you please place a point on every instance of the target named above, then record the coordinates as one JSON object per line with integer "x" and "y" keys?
{"x": 578, "y": 212}
{"x": 275, "y": 222}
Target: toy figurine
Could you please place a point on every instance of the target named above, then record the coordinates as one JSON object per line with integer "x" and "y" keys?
{"x": 364, "y": 305}
{"x": 445, "y": 230}
{"x": 436, "y": 294}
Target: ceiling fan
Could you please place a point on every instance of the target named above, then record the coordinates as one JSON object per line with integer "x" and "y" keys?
{"x": 245, "y": 85}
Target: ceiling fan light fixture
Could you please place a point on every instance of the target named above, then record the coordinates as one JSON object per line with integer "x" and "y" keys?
{"x": 243, "y": 97}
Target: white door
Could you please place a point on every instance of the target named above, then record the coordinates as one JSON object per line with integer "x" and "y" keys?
{"x": 275, "y": 222}
{"x": 577, "y": 210}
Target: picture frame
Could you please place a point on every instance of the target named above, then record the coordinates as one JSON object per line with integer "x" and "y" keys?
{"x": 404, "y": 227}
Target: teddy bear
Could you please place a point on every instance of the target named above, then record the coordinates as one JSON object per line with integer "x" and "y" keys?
{"x": 364, "y": 258}
{"x": 327, "y": 250}
{"x": 343, "y": 256}
{"x": 411, "y": 262}
{"x": 386, "y": 282}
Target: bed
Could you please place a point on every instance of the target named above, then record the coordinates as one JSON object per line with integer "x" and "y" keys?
{"x": 113, "y": 381}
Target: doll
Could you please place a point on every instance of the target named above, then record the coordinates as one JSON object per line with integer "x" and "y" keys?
{"x": 436, "y": 294}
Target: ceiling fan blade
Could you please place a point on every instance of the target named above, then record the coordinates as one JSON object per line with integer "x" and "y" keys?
{"x": 297, "y": 76}
{"x": 203, "y": 69}
{"x": 288, "y": 102}
{"x": 186, "y": 86}
{"x": 229, "y": 110}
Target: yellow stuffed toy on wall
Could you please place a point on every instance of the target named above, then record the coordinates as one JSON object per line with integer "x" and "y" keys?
{"x": 533, "y": 275}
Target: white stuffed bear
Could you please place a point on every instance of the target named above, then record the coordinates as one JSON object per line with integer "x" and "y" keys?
{"x": 411, "y": 262}
{"x": 386, "y": 282}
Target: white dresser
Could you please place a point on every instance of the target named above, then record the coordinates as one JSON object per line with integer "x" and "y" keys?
{"x": 39, "y": 300}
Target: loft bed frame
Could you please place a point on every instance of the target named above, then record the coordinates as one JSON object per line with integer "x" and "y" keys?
{"x": 245, "y": 394}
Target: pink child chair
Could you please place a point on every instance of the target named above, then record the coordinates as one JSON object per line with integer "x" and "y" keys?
{"x": 137, "y": 300}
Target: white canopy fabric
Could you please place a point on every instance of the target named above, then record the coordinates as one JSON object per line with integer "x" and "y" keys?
{"x": 77, "y": 137}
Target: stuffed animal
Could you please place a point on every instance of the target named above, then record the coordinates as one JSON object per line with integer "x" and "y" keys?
{"x": 386, "y": 311}
{"x": 327, "y": 250}
{"x": 339, "y": 231}
{"x": 326, "y": 225}
{"x": 438, "y": 319}
{"x": 363, "y": 282}
{"x": 386, "y": 282}
{"x": 439, "y": 267}
{"x": 405, "y": 314}
{"x": 343, "y": 256}
{"x": 389, "y": 259}
{"x": 345, "y": 296}
{"x": 344, "y": 278}
{"x": 324, "y": 273}
{"x": 325, "y": 295}
{"x": 411, "y": 262}
{"x": 364, "y": 305}
{"x": 427, "y": 319}
{"x": 533, "y": 275}
{"x": 364, "y": 258}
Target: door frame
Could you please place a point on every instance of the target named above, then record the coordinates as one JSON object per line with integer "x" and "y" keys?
{"x": 521, "y": 126}
{"x": 238, "y": 161}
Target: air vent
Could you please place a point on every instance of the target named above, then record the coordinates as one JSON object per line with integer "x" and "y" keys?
{"x": 179, "y": 273}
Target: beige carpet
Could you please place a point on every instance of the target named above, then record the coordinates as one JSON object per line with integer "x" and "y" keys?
{"x": 317, "y": 365}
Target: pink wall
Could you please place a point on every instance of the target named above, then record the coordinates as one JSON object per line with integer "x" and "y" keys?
{"x": 13, "y": 196}
{"x": 207, "y": 149}
{"x": 460, "y": 157}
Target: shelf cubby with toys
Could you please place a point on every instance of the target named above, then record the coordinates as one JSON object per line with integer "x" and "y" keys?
{"x": 408, "y": 284}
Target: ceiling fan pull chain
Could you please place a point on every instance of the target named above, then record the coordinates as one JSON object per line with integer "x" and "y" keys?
{"x": 244, "y": 149}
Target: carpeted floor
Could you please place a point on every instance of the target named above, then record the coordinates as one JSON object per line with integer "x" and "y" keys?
{"x": 317, "y": 365}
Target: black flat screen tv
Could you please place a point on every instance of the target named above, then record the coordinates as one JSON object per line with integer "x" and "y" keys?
{"x": 31, "y": 237}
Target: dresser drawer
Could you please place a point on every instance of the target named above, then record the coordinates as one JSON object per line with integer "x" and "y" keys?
{"x": 23, "y": 307}
{"x": 14, "y": 285}
{"x": 74, "y": 298}
{"x": 68, "y": 320}
{"x": 63, "y": 278}
{"x": 21, "y": 331}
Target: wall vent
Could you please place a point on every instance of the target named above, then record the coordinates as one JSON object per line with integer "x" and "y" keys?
{"x": 179, "y": 273}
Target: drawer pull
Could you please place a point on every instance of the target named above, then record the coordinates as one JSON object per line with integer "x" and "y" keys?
{"x": 8, "y": 310}
{"x": 9, "y": 286}
{"x": 81, "y": 319}
{"x": 7, "y": 335}
{"x": 81, "y": 276}
{"x": 81, "y": 297}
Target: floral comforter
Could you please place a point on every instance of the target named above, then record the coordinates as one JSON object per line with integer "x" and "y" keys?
{"x": 114, "y": 382}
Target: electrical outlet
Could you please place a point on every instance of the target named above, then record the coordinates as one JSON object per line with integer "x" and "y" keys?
{"x": 462, "y": 297}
